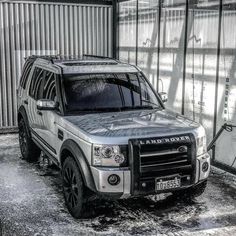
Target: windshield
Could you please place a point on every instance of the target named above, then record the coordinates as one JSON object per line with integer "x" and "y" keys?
{"x": 108, "y": 92}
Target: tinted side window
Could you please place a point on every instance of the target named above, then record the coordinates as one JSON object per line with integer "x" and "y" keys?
{"x": 36, "y": 83}
{"x": 49, "y": 88}
{"x": 25, "y": 73}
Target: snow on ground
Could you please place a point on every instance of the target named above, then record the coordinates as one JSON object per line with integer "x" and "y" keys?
{"x": 31, "y": 203}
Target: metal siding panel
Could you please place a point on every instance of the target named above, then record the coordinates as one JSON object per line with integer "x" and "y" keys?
{"x": 71, "y": 31}
{"x": 8, "y": 65}
{"x": 86, "y": 35}
{"x": 17, "y": 49}
{"x": 96, "y": 31}
{"x": 13, "y": 66}
{"x": 80, "y": 31}
{"x": 89, "y": 36}
{"x": 42, "y": 29}
{"x": 37, "y": 27}
{"x": 83, "y": 36}
{"x": 75, "y": 29}
{"x": 105, "y": 30}
{"x": 84, "y": 31}
{"x": 100, "y": 32}
{"x": 1, "y": 103}
{"x": 22, "y": 29}
{"x": 57, "y": 29}
{"x": 66, "y": 30}
{"x": 32, "y": 28}
{"x": 52, "y": 27}
{"x": 2, "y": 66}
{"x": 47, "y": 25}
{"x": 109, "y": 33}
{"x": 28, "y": 28}
{"x": 61, "y": 20}
{"x": 93, "y": 51}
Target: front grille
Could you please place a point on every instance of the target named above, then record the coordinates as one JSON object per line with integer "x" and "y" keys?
{"x": 164, "y": 158}
{"x": 161, "y": 157}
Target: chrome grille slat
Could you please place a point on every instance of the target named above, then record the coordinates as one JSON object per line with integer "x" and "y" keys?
{"x": 161, "y": 153}
{"x": 165, "y": 163}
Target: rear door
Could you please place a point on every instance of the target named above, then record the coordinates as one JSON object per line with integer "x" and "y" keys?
{"x": 34, "y": 117}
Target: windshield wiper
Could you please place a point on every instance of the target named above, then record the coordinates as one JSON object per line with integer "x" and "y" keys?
{"x": 98, "y": 109}
{"x": 149, "y": 102}
{"x": 137, "y": 108}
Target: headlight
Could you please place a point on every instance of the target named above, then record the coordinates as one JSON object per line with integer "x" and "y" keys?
{"x": 107, "y": 155}
{"x": 201, "y": 142}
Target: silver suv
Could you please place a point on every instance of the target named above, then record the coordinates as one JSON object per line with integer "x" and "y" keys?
{"x": 104, "y": 125}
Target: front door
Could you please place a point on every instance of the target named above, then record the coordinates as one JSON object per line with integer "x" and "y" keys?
{"x": 49, "y": 128}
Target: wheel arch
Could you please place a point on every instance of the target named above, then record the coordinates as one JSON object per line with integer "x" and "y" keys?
{"x": 70, "y": 147}
{"x": 23, "y": 115}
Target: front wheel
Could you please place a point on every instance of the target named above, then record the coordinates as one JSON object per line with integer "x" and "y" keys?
{"x": 73, "y": 187}
{"x": 192, "y": 192}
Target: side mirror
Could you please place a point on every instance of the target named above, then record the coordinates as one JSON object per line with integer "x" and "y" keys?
{"x": 46, "y": 105}
{"x": 164, "y": 97}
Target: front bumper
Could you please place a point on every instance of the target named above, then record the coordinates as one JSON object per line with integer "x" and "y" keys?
{"x": 100, "y": 176}
{"x": 123, "y": 189}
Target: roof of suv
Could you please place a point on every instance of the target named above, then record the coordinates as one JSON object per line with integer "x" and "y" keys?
{"x": 86, "y": 64}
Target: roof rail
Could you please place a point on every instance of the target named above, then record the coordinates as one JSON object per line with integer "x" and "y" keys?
{"x": 44, "y": 57}
{"x": 96, "y": 56}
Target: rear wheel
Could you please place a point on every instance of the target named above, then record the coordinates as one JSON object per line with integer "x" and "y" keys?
{"x": 29, "y": 150}
{"x": 192, "y": 192}
{"x": 73, "y": 187}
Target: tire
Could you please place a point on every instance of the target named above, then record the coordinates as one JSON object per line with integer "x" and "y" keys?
{"x": 73, "y": 187}
{"x": 192, "y": 192}
{"x": 29, "y": 150}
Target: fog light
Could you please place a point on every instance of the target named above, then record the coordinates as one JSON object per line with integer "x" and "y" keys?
{"x": 205, "y": 166}
{"x": 113, "y": 179}
{"x": 144, "y": 185}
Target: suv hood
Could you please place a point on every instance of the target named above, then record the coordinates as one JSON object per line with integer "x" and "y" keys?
{"x": 119, "y": 127}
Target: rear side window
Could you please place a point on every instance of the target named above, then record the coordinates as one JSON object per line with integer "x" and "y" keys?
{"x": 25, "y": 74}
{"x": 36, "y": 83}
{"x": 49, "y": 88}
{"x": 43, "y": 85}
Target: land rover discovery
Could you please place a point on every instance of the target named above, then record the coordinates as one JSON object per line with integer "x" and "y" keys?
{"x": 103, "y": 124}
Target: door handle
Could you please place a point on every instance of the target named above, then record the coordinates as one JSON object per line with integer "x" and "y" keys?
{"x": 39, "y": 113}
{"x": 26, "y": 102}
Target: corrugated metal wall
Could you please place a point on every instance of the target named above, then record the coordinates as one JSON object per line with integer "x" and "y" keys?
{"x": 28, "y": 28}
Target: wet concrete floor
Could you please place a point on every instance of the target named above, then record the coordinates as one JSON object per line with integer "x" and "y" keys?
{"x": 31, "y": 203}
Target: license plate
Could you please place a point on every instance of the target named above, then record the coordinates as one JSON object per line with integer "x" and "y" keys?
{"x": 162, "y": 184}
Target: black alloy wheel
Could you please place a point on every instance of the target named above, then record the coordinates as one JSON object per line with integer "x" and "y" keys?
{"x": 22, "y": 138}
{"x": 29, "y": 150}
{"x": 73, "y": 187}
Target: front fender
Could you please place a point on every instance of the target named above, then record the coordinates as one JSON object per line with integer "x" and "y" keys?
{"x": 80, "y": 158}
